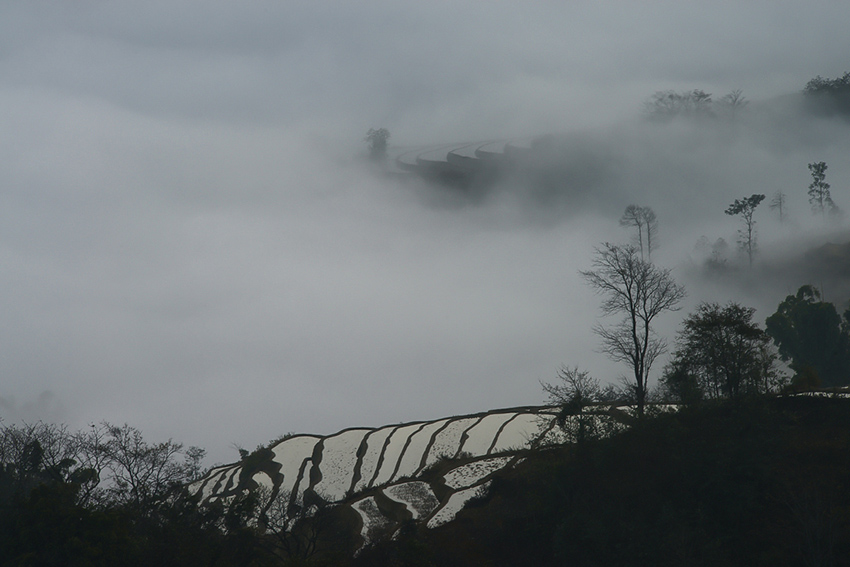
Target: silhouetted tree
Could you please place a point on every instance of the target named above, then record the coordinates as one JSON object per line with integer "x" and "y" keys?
{"x": 732, "y": 103}
{"x": 644, "y": 220}
{"x": 579, "y": 396}
{"x": 819, "y": 195}
{"x": 747, "y": 237}
{"x": 821, "y": 85}
{"x": 42, "y": 517}
{"x": 778, "y": 204}
{"x": 810, "y": 334}
{"x": 638, "y": 291}
{"x": 140, "y": 512}
{"x": 721, "y": 352}
{"x": 33, "y": 454}
{"x": 143, "y": 474}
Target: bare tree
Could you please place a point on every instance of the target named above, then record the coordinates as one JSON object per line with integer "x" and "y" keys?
{"x": 646, "y": 223}
{"x": 143, "y": 473}
{"x": 93, "y": 455}
{"x": 730, "y": 104}
{"x": 746, "y": 237}
{"x": 819, "y": 195}
{"x": 778, "y": 204}
{"x": 579, "y": 396}
{"x": 638, "y": 291}
{"x": 574, "y": 386}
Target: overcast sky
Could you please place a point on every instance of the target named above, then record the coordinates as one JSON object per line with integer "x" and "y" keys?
{"x": 190, "y": 241}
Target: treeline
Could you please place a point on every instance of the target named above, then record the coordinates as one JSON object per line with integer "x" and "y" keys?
{"x": 666, "y": 105}
{"x": 721, "y": 352}
{"x": 829, "y": 96}
{"x": 821, "y": 95}
{"x": 107, "y": 497}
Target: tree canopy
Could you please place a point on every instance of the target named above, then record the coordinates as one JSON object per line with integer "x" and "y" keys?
{"x": 829, "y": 95}
{"x": 812, "y": 336}
{"x": 721, "y": 352}
{"x": 746, "y": 207}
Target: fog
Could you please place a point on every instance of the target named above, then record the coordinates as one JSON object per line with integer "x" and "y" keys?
{"x": 193, "y": 241}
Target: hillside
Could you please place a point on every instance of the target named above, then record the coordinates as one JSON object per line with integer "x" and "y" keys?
{"x": 383, "y": 477}
{"x": 751, "y": 482}
{"x": 761, "y": 482}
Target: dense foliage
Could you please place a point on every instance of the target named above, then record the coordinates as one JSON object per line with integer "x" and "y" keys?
{"x": 107, "y": 497}
{"x": 813, "y": 337}
{"x": 721, "y": 353}
{"x": 829, "y": 96}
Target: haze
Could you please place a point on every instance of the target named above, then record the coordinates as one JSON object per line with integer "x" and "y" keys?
{"x": 193, "y": 243}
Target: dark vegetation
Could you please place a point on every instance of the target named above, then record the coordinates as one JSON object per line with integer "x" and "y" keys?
{"x": 751, "y": 482}
{"x": 757, "y": 480}
{"x": 102, "y": 497}
{"x": 813, "y": 338}
{"x": 747, "y": 472}
{"x": 108, "y": 497}
{"x": 721, "y": 353}
{"x": 746, "y": 207}
{"x": 829, "y": 96}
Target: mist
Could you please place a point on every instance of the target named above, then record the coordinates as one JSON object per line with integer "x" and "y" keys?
{"x": 193, "y": 241}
